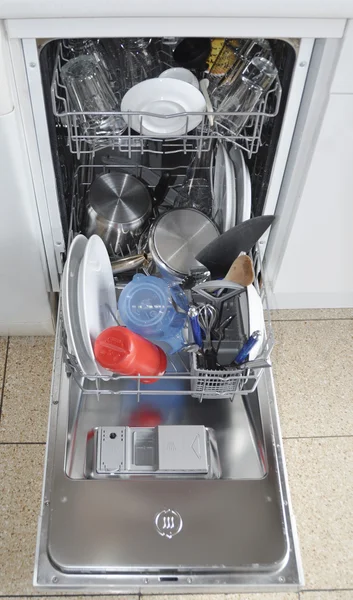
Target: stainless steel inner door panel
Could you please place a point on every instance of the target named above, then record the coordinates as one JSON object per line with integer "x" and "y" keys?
{"x": 167, "y": 533}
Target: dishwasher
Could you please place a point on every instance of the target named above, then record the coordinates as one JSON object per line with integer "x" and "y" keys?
{"x": 198, "y": 501}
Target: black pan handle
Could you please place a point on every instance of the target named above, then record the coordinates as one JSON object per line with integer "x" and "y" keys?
{"x": 161, "y": 189}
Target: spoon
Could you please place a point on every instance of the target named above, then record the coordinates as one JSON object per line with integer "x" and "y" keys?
{"x": 204, "y": 83}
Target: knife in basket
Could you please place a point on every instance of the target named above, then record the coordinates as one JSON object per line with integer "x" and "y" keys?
{"x": 219, "y": 255}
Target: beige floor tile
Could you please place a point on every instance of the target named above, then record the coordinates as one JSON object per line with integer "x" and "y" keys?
{"x": 313, "y": 370}
{"x": 268, "y": 596}
{"x": 184, "y": 597}
{"x": 71, "y": 597}
{"x": 21, "y": 471}
{"x": 332, "y": 595}
{"x": 320, "y": 478}
{"x": 311, "y": 313}
{"x": 272, "y": 596}
{"x": 27, "y": 389}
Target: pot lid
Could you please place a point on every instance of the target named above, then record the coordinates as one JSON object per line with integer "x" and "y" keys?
{"x": 179, "y": 235}
{"x": 120, "y": 198}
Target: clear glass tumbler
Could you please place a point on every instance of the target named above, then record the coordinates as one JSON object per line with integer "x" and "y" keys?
{"x": 195, "y": 189}
{"x": 89, "y": 91}
{"x": 243, "y": 96}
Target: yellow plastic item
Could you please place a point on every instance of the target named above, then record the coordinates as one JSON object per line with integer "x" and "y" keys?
{"x": 223, "y": 54}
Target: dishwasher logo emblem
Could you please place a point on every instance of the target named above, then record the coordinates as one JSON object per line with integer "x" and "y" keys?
{"x": 168, "y": 523}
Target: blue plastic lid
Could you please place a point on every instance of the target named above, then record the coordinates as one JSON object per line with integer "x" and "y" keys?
{"x": 146, "y": 307}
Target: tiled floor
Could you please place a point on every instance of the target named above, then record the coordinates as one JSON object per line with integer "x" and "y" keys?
{"x": 313, "y": 366}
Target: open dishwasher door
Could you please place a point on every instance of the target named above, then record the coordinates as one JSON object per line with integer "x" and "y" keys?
{"x": 192, "y": 497}
{"x": 223, "y": 525}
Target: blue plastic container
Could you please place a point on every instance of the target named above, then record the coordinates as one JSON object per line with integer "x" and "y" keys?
{"x": 146, "y": 307}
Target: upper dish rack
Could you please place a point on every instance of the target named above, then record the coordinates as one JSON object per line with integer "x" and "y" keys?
{"x": 199, "y": 140}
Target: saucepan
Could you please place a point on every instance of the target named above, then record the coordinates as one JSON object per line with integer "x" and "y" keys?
{"x": 172, "y": 243}
{"x": 119, "y": 206}
{"x": 175, "y": 239}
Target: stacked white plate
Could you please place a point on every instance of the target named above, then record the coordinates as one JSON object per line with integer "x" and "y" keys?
{"x": 224, "y": 191}
{"x": 88, "y": 300}
{"x": 243, "y": 185}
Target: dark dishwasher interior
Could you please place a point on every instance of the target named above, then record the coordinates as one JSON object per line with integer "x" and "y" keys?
{"x": 260, "y": 164}
{"x": 236, "y": 425}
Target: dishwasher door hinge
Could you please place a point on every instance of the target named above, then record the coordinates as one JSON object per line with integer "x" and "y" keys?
{"x": 60, "y": 255}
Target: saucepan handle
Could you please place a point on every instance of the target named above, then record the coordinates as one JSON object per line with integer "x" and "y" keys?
{"x": 161, "y": 189}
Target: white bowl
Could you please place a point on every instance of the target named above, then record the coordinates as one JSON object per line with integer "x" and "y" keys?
{"x": 163, "y": 97}
{"x": 182, "y": 74}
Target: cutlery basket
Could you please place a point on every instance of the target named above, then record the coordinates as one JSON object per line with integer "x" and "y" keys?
{"x": 210, "y": 383}
{"x": 235, "y": 380}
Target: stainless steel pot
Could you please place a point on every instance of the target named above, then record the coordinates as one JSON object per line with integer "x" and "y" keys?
{"x": 118, "y": 207}
{"x": 176, "y": 237}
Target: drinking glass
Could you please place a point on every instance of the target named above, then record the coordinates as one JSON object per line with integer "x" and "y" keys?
{"x": 195, "y": 190}
{"x": 77, "y": 47}
{"x": 141, "y": 59}
{"x": 105, "y": 52}
{"x": 245, "y": 93}
{"x": 195, "y": 195}
{"x": 88, "y": 90}
{"x": 230, "y": 64}
{"x": 115, "y": 66}
{"x": 136, "y": 43}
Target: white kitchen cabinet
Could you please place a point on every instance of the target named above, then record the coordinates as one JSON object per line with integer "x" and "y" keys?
{"x": 25, "y": 307}
{"x": 316, "y": 270}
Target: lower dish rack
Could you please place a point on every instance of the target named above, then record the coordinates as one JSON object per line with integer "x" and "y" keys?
{"x": 185, "y": 375}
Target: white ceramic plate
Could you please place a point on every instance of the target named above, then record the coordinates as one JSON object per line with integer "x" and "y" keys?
{"x": 212, "y": 172}
{"x": 96, "y": 296}
{"x": 224, "y": 193}
{"x": 243, "y": 185}
{"x": 256, "y": 320}
{"x": 69, "y": 303}
{"x": 230, "y": 199}
{"x": 163, "y": 97}
{"x": 247, "y": 196}
{"x": 182, "y": 74}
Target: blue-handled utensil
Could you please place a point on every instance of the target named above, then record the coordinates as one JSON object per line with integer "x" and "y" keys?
{"x": 243, "y": 353}
{"x": 193, "y": 315}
